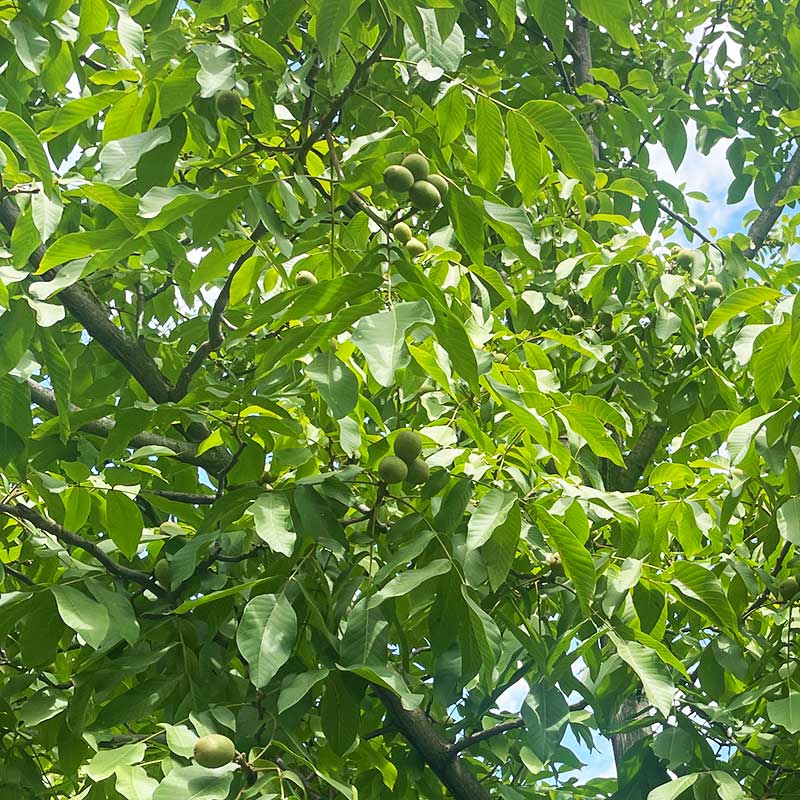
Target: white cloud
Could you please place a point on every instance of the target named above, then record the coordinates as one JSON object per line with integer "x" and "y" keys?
{"x": 710, "y": 174}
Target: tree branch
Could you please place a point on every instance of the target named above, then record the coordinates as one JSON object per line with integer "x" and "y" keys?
{"x": 82, "y": 304}
{"x": 215, "y": 338}
{"x": 759, "y": 230}
{"x": 474, "y": 738}
{"x": 638, "y": 458}
{"x": 418, "y": 730}
{"x": 212, "y": 460}
{"x": 686, "y": 224}
{"x": 582, "y": 49}
{"x": 23, "y": 513}
{"x": 326, "y": 122}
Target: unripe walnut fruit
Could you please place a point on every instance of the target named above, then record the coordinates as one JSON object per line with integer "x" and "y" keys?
{"x": 214, "y": 750}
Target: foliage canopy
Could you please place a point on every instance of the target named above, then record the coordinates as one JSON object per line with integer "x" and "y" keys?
{"x": 211, "y": 338}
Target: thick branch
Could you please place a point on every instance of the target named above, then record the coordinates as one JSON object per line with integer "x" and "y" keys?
{"x": 82, "y": 304}
{"x": 640, "y": 456}
{"x": 212, "y": 460}
{"x": 582, "y": 50}
{"x": 432, "y": 747}
{"x": 759, "y": 230}
{"x": 480, "y": 736}
{"x": 23, "y": 513}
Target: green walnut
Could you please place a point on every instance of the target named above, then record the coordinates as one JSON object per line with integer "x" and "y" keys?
{"x": 714, "y": 289}
{"x": 424, "y": 196}
{"x": 698, "y": 287}
{"x": 204, "y": 178}
{"x": 162, "y": 571}
{"x": 599, "y": 103}
{"x": 576, "y": 322}
{"x": 214, "y": 750}
{"x": 415, "y": 247}
{"x": 407, "y": 445}
{"x": 604, "y": 319}
{"x": 392, "y": 469}
{"x": 789, "y": 588}
{"x": 440, "y": 183}
{"x": 675, "y": 249}
{"x": 305, "y": 278}
{"x": 418, "y": 472}
{"x": 590, "y": 201}
{"x": 684, "y": 257}
{"x": 398, "y": 179}
{"x": 417, "y": 165}
{"x": 402, "y": 232}
{"x": 228, "y": 103}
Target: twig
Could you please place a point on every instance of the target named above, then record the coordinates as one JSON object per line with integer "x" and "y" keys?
{"x": 325, "y": 124}
{"x": 759, "y": 601}
{"x": 18, "y": 575}
{"x": 215, "y": 337}
{"x": 23, "y": 513}
{"x": 474, "y": 738}
{"x": 183, "y": 497}
{"x": 356, "y": 197}
{"x": 212, "y": 460}
{"x": 683, "y": 221}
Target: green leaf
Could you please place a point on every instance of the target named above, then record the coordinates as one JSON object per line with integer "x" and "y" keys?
{"x": 592, "y": 431}
{"x": 194, "y": 783}
{"x": 490, "y": 514}
{"x": 786, "y": 712}
{"x": 381, "y": 337}
{"x": 76, "y": 112}
{"x": 104, "y": 762}
{"x": 788, "y": 519}
{"x": 296, "y": 687}
{"x": 739, "y": 302}
{"x": 336, "y": 384}
{"x": 119, "y": 157}
{"x": 577, "y": 561}
{"x": 340, "y": 710}
{"x": 563, "y": 135}
{"x": 491, "y": 140}
{"x": 614, "y": 16}
{"x": 551, "y": 17}
{"x": 526, "y": 155}
{"x": 331, "y": 19}
{"x": 60, "y": 374}
{"x": 545, "y": 713}
{"x": 124, "y": 523}
{"x": 451, "y": 116}
{"x": 407, "y": 582}
{"x": 133, "y": 783}
{"x": 771, "y": 353}
{"x": 675, "y": 788}
{"x": 31, "y": 48}
{"x": 673, "y": 137}
{"x": 699, "y": 588}
{"x": 273, "y": 521}
{"x": 652, "y": 672}
{"x": 266, "y": 636}
{"x": 86, "y": 617}
{"x": 28, "y": 145}
{"x": 468, "y": 221}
